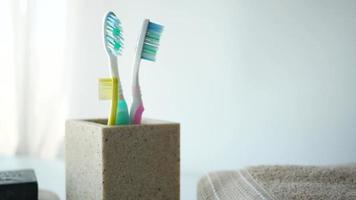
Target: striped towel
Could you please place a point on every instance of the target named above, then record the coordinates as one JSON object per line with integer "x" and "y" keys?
{"x": 280, "y": 183}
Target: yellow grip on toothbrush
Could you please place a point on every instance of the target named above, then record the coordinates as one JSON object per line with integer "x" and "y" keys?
{"x": 108, "y": 90}
{"x": 114, "y": 95}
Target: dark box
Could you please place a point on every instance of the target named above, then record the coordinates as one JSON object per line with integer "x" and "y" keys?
{"x": 18, "y": 185}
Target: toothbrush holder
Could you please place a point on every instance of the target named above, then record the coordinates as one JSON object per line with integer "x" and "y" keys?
{"x": 122, "y": 162}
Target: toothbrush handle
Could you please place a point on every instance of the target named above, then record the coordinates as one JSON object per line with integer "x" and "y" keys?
{"x": 122, "y": 114}
{"x": 137, "y": 105}
{"x": 121, "y": 111}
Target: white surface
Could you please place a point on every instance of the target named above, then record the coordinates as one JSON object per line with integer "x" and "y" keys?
{"x": 252, "y": 82}
{"x": 50, "y": 175}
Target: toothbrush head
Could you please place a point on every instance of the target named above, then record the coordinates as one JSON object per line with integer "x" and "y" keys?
{"x": 151, "y": 42}
{"x": 113, "y": 34}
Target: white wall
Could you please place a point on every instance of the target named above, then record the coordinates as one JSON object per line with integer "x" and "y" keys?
{"x": 252, "y": 82}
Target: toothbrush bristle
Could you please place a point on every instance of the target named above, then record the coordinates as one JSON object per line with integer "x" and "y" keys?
{"x": 151, "y": 42}
{"x": 113, "y": 34}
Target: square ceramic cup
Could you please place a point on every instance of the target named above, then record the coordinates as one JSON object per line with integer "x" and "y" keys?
{"x": 122, "y": 162}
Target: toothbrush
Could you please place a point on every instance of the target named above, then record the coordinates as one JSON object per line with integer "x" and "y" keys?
{"x": 147, "y": 48}
{"x": 113, "y": 44}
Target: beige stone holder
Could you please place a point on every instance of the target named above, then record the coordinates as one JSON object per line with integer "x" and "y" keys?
{"x": 122, "y": 162}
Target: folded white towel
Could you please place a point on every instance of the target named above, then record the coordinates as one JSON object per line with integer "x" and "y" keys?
{"x": 280, "y": 183}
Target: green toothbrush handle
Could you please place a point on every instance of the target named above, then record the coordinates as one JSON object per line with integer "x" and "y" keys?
{"x": 122, "y": 114}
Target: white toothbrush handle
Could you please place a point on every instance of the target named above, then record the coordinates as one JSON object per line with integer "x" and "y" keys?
{"x": 136, "y": 92}
{"x": 137, "y": 104}
{"x": 115, "y": 73}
